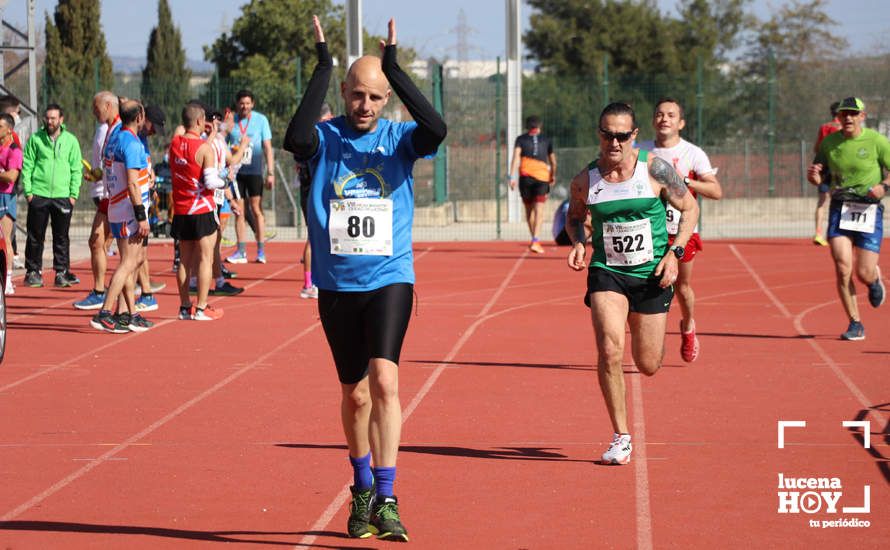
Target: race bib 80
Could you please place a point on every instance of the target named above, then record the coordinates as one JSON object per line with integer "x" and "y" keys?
{"x": 628, "y": 243}
{"x": 361, "y": 227}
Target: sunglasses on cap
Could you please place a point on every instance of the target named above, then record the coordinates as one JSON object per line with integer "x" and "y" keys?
{"x": 620, "y": 136}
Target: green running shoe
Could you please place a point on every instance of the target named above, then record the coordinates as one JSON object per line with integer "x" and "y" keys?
{"x": 385, "y": 519}
{"x": 360, "y": 513}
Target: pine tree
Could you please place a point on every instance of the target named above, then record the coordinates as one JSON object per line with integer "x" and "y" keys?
{"x": 75, "y": 57}
{"x": 165, "y": 79}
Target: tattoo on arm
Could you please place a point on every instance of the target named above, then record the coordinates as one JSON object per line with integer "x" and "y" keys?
{"x": 664, "y": 173}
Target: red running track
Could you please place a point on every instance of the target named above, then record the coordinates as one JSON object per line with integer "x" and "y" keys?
{"x": 193, "y": 434}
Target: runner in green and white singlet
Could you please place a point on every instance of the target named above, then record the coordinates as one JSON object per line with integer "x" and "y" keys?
{"x": 631, "y": 237}
{"x": 630, "y": 277}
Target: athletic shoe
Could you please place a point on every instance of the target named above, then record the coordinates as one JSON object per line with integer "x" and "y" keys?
{"x": 385, "y": 519}
{"x": 269, "y": 235}
{"x": 226, "y": 273}
{"x": 688, "y": 344}
{"x": 309, "y": 292}
{"x": 227, "y": 242}
{"x": 360, "y": 513}
{"x": 855, "y": 331}
{"x": 65, "y": 279}
{"x": 146, "y": 303}
{"x": 94, "y": 300}
{"x": 819, "y": 240}
{"x": 33, "y": 279}
{"x": 175, "y": 266}
{"x": 138, "y": 323}
{"x": 193, "y": 289}
{"x": 109, "y": 322}
{"x": 536, "y": 247}
{"x": 17, "y": 262}
{"x": 185, "y": 313}
{"x": 207, "y": 314}
{"x": 619, "y": 450}
{"x": 260, "y": 257}
{"x": 226, "y": 289}
{"x": 157, "y": 286}
{"x": 238, "y": 257}
{"x": 9, "y": 290}
{"x": 876, "y": 290}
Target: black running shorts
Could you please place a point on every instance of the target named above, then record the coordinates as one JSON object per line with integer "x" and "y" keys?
{"x": 250, "y": 185}
{"x": 643, "y": 295}
{"x": 360, "y": 326}
{"x": 194, "y": 227}
{"x": 532, "y": 190}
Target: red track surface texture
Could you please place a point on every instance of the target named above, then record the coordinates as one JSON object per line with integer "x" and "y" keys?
{"x": 194, "y": 434}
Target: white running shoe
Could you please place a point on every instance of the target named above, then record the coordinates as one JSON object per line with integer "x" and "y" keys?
{"x": 10, "y": 287}
{"x": 619, "y": 450}
{"x": 309, "y": 292}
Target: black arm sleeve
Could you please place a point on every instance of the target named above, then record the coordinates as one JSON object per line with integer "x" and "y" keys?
{"x": 431, "y": 129}
{"x": 301, "y": 138}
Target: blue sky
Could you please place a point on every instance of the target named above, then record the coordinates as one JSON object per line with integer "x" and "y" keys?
{"x": 427, "y": 25}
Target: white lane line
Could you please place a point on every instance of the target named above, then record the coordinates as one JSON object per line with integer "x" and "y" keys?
{"x": 798, "y": 326}
{"x": 325, "y": 518}
{"x": 641, "y": 468}
{"x": 105, "y": 457}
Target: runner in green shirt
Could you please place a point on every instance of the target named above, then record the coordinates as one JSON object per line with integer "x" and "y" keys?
{"x": 854, "y": 157}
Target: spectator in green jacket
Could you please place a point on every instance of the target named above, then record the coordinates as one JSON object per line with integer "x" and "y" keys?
{"x": 51, "y": 177}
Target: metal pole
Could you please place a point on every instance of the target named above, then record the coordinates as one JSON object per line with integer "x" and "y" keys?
{"x": 32, "y": 64}
{"x": 353, "y": 31}
{"x": 771, "y": 122}
{"x": 514, "y": 93}
{"x": 498, "y": 180}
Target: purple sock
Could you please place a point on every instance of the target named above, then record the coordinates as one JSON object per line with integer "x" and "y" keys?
{"x": 361, "y": 472}
{"x": 385, "y": 478}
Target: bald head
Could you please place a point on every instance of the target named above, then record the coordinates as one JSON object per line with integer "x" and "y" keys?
{"x": 105, "y": 107}
{"x": 365, "y": 93}
{"x": 132, "y": 114}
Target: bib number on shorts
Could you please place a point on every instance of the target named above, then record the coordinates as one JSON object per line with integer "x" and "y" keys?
{"x": 673, "y": 219}
{"x": 361, "y": 227}
{"x": 628, "y": 243}
{"x": 856, "y": 216}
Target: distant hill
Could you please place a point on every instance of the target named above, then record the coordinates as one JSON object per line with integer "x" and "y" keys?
{"x": 124, "y": 64}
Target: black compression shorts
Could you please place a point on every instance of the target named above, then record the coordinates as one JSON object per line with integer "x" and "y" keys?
{"x": 360, "y": 326}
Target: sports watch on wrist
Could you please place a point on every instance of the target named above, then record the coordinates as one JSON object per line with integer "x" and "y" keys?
{"x": 678, "y": 251}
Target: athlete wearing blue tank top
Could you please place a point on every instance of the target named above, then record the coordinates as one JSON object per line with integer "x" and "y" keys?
{"x": 632, "y": 271}
{"x": 360, "y": 211}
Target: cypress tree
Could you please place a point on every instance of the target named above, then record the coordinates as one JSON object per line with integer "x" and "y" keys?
{"x": 165, "y": 79}
{"x": 76, "y": 59}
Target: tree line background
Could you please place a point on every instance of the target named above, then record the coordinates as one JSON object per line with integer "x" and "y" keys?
{"x": 743, "y": 81}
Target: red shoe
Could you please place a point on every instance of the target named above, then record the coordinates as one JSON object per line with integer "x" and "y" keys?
{"x": 207, "y": 314}
{"x": 689, "y": 344}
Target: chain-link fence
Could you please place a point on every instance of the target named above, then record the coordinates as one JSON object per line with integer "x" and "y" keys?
{"x": 758, "y": 130}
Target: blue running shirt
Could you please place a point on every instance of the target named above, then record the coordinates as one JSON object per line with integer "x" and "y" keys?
{"x": 362, "y": 165}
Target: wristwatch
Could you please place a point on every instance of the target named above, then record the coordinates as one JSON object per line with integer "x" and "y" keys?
{"x": 678, "y": 251}
{"x": 686, "y": 181}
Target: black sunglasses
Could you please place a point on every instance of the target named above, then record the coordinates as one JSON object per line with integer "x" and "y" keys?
{"x": 620, "y": 136}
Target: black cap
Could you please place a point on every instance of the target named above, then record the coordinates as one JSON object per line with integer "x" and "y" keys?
{"x": 157, "y": 117}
